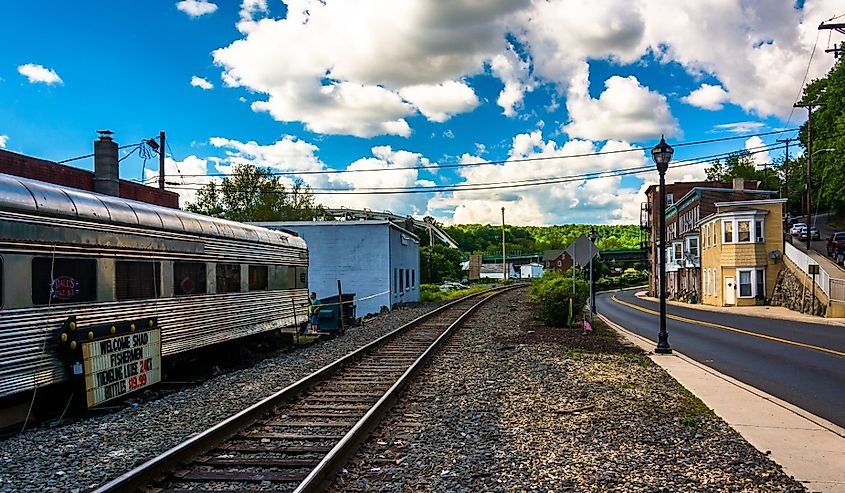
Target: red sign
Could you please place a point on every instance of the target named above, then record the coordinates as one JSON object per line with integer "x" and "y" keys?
{"x": 187, "y": 285}
{"x": 65, "y": 287}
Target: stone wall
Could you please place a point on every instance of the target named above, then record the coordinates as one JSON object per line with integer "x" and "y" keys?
{"x": 792, "y": 291}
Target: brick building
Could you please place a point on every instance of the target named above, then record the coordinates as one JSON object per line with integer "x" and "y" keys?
{"x": 12, "y": 163}
{"x": 558, "y": 260}
{"x": 686, "y": 204}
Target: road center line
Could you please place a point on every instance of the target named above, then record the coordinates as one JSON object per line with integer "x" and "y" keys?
{"x": 732, "y": 329}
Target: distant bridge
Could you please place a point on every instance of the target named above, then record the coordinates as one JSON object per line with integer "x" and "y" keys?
{"x": 356, "y": 214}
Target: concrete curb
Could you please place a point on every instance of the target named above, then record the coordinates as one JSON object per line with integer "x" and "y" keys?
{"x": 808, "y": 447}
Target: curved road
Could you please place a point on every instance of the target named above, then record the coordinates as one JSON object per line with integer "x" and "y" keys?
{"x": 801, "y": 363}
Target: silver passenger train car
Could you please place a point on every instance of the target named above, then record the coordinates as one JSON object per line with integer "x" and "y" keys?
{"x": 66, "y": 252}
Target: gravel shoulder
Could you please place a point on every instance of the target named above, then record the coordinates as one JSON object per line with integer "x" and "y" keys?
{"x": 514, "y": 405}
{"x": 85, "y": 454}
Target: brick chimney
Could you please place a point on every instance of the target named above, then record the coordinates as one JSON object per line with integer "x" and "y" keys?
{"x": 739, "y": 184}
{"x": 106, "y": 180}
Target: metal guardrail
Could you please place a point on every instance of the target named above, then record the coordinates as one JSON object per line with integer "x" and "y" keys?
{"x": 833, "y": 287}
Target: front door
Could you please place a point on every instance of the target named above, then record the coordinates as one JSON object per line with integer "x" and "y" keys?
{"x": 730, "y": 291}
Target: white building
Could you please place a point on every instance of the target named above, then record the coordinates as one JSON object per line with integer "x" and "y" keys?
{"x": 494, "y": 271}
{"x": 530, "y": 271}
{"x": 377, "y": 260}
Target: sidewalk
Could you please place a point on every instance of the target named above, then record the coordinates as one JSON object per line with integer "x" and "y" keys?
{"x": 809, "y": 448}
{"x": 777, "y": 312}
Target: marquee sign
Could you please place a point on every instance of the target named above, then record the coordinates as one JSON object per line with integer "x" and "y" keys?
{"x": 116, "y": 366}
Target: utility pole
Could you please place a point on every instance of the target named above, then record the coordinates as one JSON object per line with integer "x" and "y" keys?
{"x": 504, "y": 261}
{"x": 430, "y": 248}
{"x": 161, "y": 160}
{"x": 808, "y": 190}
{"x": 838, "y": 27}
{"x": 786, "y": 167}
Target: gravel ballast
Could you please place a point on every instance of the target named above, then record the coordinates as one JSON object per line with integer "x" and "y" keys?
{"x": 83, "y": 455}
{"x": 513, "y": 405}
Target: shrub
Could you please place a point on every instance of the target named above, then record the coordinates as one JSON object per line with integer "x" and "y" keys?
{"x": 552, "y": 291}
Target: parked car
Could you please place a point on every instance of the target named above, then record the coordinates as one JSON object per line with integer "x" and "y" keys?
{"x": 796, "y": 228}
{"x": 839, "y": 256}
{"x": 452, "y": 285}
{"x": 814, "y": 234}
{"x": 835, "y": 243}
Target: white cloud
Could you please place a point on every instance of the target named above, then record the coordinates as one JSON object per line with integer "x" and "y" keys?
{"x": 739, "y": 127}
{"x": 625, "y": 110}
{"x": 3, "y": 140}
{"x": 439, "y": 102}
{"x": 707, "y": 97}
{"x": 196, "y": 8}
{"x": 39, "y": 73}
{"x": 756, "y": 146}
{"x": 350, "y": 82}
{"x": 201, "y": 83}
{"x": 601, "y": 200}
{"x": 514, "y": 74}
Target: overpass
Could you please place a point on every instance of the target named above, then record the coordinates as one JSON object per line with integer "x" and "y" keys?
{"x": 355, "y": 214}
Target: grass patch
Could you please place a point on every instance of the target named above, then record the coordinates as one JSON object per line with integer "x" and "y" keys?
{"x": 431, "y": 292}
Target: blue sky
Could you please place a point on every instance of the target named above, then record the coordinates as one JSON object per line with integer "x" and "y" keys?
{"x": 312, "y": 86}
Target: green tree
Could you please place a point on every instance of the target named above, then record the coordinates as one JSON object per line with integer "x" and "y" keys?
{"x": 828, "y": 132}
{"x": 251, "y": 193}
{"x": 445, "y": 264}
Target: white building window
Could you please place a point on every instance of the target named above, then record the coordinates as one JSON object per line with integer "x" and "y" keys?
{"x": 743, "y": 228}
{"x": 707, "y": 282}
{"x": 758, "y": 231}
{"x": 752, "y": 282}
{"x": 728, "y": 227}
{"x": 670, "y": 199}
{"x": 692, "y": 246}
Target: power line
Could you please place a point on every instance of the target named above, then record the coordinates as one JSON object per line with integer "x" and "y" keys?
{"x": 510, "y": 184}
{"x": 504, "y": 161}
{"x": 801, "y": 89}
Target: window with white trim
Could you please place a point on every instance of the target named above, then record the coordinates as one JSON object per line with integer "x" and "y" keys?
{"x": 707, "y": 282}
{"x": 743, "y": 229}
{"x": 760, "y": 283}
{"x": 728, "y": 228}
{"x": 752, "y": 282}
{"x": 692, "y": 246}
{"x": 745, "y": 286}
{"x": 758, "y": 231}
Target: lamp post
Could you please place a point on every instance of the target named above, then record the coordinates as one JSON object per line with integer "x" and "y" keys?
{"x": 592, "y": 237}
{"x": 662, "y": 154}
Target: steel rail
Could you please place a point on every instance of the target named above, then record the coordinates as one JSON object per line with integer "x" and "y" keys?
{"x": 321, "y": 476}
{"x": 156, "y": 469}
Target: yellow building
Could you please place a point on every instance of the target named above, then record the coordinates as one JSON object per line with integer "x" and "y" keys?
{"x": 741, "y": 250}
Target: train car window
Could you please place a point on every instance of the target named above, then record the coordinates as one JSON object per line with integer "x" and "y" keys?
{"x": 401, "y": 280}
{"x": 257, "y": 277}
{"x": 137, "y": 280}
{"x": 408, "y": 278}
{"x": 63, "y": 280}
{"x": 1, "y": 282}
{"x": 188, "y": 278}
{"x": 281, "y": 277}
{"x": 228, "y": 278}
{"x": 301, "y": 277}
{"x": 413, "y": 278}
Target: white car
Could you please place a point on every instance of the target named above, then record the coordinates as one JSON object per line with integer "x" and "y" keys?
{"x": 796, "y": 229}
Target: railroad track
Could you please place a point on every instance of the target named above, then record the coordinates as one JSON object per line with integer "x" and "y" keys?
{"x": 300, "y": 437}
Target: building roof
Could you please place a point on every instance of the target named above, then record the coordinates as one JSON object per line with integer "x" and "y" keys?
{"x": 35, "y": 197}
{"x": 494, "y": 268}
{"x": 338, "y": 224}
{"x": 552, "y": 254}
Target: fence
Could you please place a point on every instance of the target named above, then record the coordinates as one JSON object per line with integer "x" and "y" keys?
{"x": 834, "y": 288}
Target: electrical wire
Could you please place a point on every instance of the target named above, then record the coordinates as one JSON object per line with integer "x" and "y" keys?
{"x": 504, "y": 161}
{"x": 505, "y": 185}
{"x": 801, "y": 88}
{"x": 77, "y": 158}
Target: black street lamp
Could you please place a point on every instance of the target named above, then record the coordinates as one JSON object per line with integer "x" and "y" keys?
{"x": 662, "y": 154}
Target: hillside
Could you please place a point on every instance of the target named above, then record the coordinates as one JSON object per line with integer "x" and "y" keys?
{"x": 478, "y": 238}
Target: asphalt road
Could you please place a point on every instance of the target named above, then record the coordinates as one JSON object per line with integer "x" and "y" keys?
{"x": 803, "y": 364}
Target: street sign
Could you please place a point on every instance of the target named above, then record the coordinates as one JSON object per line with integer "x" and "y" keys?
{"x": 582, "y": 250}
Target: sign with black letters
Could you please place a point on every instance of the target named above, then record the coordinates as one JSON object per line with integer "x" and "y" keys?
{"x": 122, "y": 364}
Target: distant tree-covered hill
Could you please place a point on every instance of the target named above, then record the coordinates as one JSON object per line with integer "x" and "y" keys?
{"x": 478, "y": 238}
